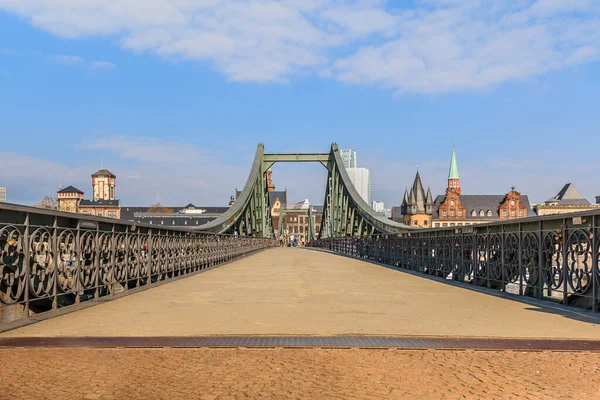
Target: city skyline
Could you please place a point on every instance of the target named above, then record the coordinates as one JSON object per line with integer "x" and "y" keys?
{"x": 81, "y": 89}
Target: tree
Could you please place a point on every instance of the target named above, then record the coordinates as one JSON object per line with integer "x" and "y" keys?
{"x": 159, "y": 209}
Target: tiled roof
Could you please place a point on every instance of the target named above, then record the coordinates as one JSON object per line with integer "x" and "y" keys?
{"x": 181, "y": 220}
{"x": 103, "y": 172}
{"x": 98, "y": 203}
{"x": 568, "y": 195}
{"x": 479, "y": 203}
{"x": 282, "y": 195}
{"x": 129, "y": 213}
{"x": 70, "y": 189}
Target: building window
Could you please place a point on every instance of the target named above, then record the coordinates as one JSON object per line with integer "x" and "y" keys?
{"x": 452, "y": 224}
{"x": 512, "y": 213}
{"x": 185, "y": 222}
{"x": 99, "y": 213}
{"x": 150, "y": 222}
{"x": 444, "y": 213}
{"x": 489, "y": 213}
{"x": 161, "y": 222}
{"x": 437, "y": 224}
{"x": 415, "y": 222}
{"x": 520, "y": 213}
{"x": 173, "y": 222}
{"x": 505, "y": 213}
{"x": 112, "y": 214}
{"x": 460, "y": 213}
{"x": 474, "y": 213}
{"x": 452, "y": 213}
{"x": 445, "y": 224}
{"x": 425, "y": 222}
{"x": 481, "y": 213}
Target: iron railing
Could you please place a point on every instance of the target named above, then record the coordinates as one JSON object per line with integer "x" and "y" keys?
{"x": 51, "y": 259}
{"x": 551, "y": 257}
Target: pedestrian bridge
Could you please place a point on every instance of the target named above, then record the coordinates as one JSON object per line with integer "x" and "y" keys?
{"x": 51, "y": 262}
{"x": 295, "y": 291}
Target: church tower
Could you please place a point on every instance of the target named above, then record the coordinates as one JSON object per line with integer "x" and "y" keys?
{"x": 417, "y": 207}
{"x": 453, "y": 178}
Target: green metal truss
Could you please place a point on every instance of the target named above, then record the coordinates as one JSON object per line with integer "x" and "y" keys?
{"x": 345, "y": 213}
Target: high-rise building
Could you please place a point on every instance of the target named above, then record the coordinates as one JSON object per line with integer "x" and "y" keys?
{"x": 348, "y": 157}
{"x": 2, "y": 195}
{"x": 378, "y": 206}
{"x": 361, "y": 179}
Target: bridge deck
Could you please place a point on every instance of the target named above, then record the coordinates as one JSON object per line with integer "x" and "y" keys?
{"x": 303, "y": 292}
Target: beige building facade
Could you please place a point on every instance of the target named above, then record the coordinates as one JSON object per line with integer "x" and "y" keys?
{"x": 103, "y": 203}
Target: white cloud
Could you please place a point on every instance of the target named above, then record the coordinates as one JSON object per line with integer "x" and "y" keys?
{"x": 67, "y": 59}
{"x": 438, "y": 46}
{"x": 72, "y": 60}
{"x": 466, "y": 45}
{"x": 102, "y": 65}
{"x": 148, "y": 170}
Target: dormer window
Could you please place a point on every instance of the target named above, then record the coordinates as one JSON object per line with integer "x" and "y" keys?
{"x": 474, "y": 213}
{"x": 489, "y": 213}
{"x": 481, "y": 213}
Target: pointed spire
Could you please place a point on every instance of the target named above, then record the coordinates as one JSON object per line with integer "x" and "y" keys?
{"x": 405, "y": 199}
{"x": 453, "y": 174}
{"x": 412, "y": 198}
{"x": 429, "y": 197}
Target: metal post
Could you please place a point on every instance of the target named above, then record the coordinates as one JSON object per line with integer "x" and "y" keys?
{"x": 540, "y": 291}
{"x": 55, "y": 264}
{"x": 502, "y": 260}
{"x": 77, "y": 271}
{"x": 127, "y": 258}
{"x": 149, "y": 257}
{"x": 474, "y": 257}
{"x": 26, "y": 263}
{"x": 520, "y": 255}
{"x": 97, "y": 261}
{"x": 594, "y": 264}
{"x": 487, "y": 252}
{"x": 565, "y": 260}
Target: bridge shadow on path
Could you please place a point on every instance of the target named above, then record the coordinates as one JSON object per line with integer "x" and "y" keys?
{"x": 536, "y": 305}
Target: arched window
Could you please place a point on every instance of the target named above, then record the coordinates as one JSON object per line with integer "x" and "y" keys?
{"x": 481, "y": 213}
{"x": 489, "y": 213}
{"x": 474, "y": 213}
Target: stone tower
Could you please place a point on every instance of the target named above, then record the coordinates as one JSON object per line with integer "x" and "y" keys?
{"x": 270, "y": 186}
{"x": 68, "y": 199}
{"x": 103, "y": 184}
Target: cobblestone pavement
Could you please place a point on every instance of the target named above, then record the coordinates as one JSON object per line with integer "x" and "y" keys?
{"x": 120, "y": 373}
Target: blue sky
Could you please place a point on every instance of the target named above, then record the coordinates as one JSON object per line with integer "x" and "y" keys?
{"x": 173, "y": 97}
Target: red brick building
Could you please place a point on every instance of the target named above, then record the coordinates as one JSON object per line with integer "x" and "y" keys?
{"x": 457, "y": 209}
